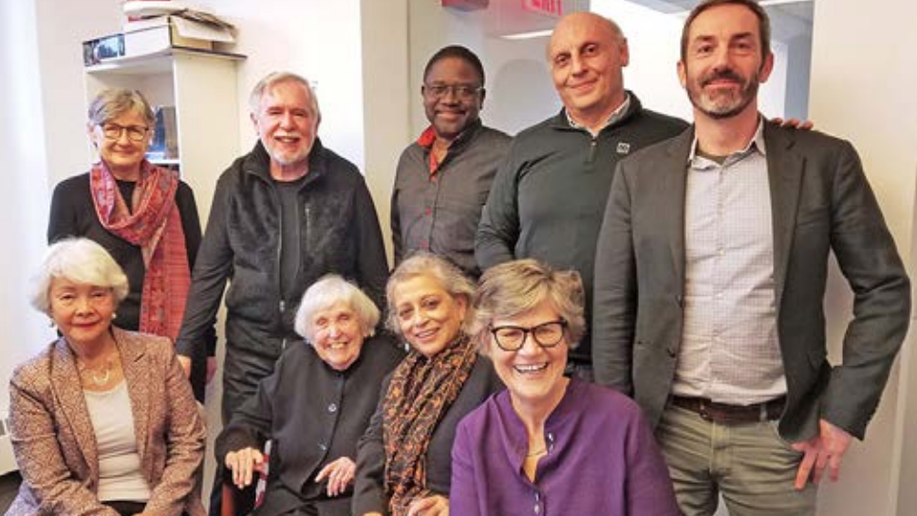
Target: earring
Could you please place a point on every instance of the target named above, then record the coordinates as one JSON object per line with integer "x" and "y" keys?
{"x": 50, "y": 323}
{"x": 114, "y": 315}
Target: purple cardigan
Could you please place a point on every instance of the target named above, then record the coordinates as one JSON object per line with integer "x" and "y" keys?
{"x": 602, "y": 459}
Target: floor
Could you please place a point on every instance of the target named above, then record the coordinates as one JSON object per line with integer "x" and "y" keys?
{"x": 9, "y": 486}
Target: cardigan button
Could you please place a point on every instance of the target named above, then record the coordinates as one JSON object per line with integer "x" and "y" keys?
{"x": 333, "y": 408}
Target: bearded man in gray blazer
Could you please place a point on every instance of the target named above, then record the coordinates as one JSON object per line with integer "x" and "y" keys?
{"x": 710, "y": 276}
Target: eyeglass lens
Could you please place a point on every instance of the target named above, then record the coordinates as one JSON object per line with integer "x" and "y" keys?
{"x": 135, "y": 133}
{"x": 547, "y": 335}
{"x": 464, "y": 91}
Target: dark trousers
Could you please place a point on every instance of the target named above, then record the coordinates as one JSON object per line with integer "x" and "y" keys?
{"x": 126, "y": 508}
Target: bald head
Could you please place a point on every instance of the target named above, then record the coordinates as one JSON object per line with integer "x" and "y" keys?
{"x": 586, "y": 55}
{"x": 578, "y": 21}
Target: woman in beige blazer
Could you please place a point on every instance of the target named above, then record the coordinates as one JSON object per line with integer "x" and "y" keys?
{"x": 103, "y": 420}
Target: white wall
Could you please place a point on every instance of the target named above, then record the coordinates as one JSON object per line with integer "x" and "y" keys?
{"x": 386, "y": 96}
{"x": 34, "y": 140}
{"x": 24, "y": 211}
{"x": 61, "y": 27}
{"x": 863, "y": 80}
{"x": 318, "y": 39}
{"x": 42, "y": 139}
{"x": 653, "y": 40}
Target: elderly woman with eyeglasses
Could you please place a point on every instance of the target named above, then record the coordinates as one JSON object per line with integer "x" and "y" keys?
{"x": 103, "y": 420}
{"x": 144, "y": 215}
{"x": 549, "y": 445}
{"x": 404, "y": 465}
{"x": 314, "y": 406}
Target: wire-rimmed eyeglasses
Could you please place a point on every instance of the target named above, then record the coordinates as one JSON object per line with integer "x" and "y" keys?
{"x": 135, "y": 133}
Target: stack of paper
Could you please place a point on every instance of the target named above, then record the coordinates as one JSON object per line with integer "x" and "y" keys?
{"x": 155, "y": 26}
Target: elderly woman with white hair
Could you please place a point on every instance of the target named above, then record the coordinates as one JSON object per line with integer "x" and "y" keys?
{"x": 103, "y": 420}
{"x": 315, "y": 406}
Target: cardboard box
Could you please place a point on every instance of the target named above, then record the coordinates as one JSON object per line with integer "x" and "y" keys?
{"x": 157, "y": 39}
{"x": 160, "y": 33}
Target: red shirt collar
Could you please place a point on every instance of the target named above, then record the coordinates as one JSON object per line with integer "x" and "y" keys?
{"x": 426, "y": 139}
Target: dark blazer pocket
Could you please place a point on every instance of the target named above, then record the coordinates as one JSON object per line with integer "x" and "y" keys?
{"x": 817, "y": 215}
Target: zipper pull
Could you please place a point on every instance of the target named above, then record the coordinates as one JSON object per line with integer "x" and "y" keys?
{"x": 592, "y": 146}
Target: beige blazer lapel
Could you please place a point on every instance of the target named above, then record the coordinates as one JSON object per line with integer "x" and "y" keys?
{"x": 785, "y": 170}
{"x": 132, "y": 352}
{"x": 67, "y": 389}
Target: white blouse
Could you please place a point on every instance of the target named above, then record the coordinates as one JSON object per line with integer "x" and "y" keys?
{"x": 119, "y": 461}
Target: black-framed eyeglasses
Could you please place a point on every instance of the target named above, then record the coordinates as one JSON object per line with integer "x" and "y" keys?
{"x": 546, "y": 335}
{"x": 135, "y": 133}
{"x": 461, "y": 91}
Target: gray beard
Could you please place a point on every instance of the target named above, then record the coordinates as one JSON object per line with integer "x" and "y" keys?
{"x": 747, "y": 94}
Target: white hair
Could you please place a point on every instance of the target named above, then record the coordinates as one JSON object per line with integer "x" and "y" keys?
{"x": 79, "y": 260}
{"x": 325, "y": 293}
{"x": 274, "y": 78}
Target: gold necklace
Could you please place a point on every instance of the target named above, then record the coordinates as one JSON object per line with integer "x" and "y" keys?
{"x": 99, "y": 376}
{"x": 537, "y": 453}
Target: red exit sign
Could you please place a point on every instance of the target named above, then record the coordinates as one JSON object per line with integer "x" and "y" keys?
{"x": 550, "y": 7}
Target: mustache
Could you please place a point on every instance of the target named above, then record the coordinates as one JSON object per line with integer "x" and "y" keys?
{"x": 725, "y": 74}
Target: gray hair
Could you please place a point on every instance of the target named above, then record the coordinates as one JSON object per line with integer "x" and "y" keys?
{"x": 324, "y": 294}
{"x": 450, "y": 278}
{"x": 79, "y": 260}
{"x": 112, "y": 103}
{"x": 274, "y": 78}
{"x": 513, "y": 288}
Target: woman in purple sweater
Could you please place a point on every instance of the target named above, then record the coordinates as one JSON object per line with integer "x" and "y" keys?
{"x": 549, "y": 445}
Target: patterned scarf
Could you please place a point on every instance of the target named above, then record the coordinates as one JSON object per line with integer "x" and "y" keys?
{"x": 155, "y": 226}
{"x": 420, "y": 393}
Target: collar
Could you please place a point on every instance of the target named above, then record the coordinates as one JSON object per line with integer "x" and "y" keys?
{"x": 428, "y": 136}
{"x": 755, "y": 144}
{"x": 631, "y": 108}
{"x": 567, "y": 408}
{"x": 615, "y": 116}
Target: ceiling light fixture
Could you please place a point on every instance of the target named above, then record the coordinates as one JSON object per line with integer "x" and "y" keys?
{"x": 528, "y": 35}
{"x": 766, "y": 3}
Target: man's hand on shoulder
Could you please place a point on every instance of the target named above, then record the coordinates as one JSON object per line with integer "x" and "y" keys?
{"x": 794, "y": 123}
{"x": 826, "y": 449}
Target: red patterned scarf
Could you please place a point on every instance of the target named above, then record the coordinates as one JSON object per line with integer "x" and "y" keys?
{"x": 155, "y": 226}
{"x": 420, "y": 393}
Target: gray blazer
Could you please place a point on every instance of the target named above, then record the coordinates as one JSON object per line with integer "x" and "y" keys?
{"x": 821, "y": 202}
